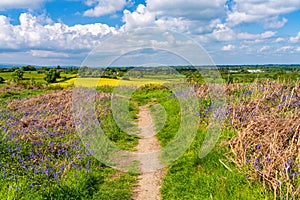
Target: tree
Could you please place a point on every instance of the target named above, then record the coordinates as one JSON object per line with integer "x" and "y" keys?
{"x": 18, "y": 74}
{"x": 52, "y": 75}
{"x": 28, "y": 68}
{"x": 14, "y": 68}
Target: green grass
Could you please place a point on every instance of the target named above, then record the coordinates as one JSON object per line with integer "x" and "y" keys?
{"x": 20, "y": 94}
{"x": 99, "y": 182}
{"x": 114, "y": 132}
{"x": 191, "y": 177}
{"x": 33, "y": 75}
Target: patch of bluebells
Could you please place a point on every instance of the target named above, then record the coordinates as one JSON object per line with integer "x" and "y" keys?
{"x": 45, "y": 153}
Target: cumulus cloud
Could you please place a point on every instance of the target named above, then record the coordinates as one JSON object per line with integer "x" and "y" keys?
{"x": 32, "y": 34}
{"x": 104, "y": 7}
{"x": 27, "y": 4}
{"x": 264, "y": 48}
{"x": 48, "y": 54}
{"x": 249, "y": 36}
{"x": 225, "y": 33}
{"x": 247, "y": 11}
{"x": 279, "y": 39}
{"x": 229, "y": 47}
{"x": 295, "y": 39}
{"x": 139, "y": 18}
{"x": 189, "y": 9}
{"x": 285, "y": 49}
{"x": 143, "y": 17}
{"x": 275, "y": 23}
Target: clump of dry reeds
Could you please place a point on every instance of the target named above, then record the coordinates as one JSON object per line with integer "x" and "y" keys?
{"x": 266, "y": 119}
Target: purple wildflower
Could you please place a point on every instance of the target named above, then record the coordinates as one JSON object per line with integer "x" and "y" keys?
{"x": 278, "y": 183}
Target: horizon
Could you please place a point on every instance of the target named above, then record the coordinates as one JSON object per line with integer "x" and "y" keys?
{"x": 7, "y": 66}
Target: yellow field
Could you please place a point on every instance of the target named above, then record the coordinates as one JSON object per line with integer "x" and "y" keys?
{"x": 93, "y": 82}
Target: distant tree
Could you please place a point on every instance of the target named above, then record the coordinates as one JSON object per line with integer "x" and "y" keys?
{"x": 52, "y": 75}
{"x": 28, "y": 68}
{"x": 18, "y": 74}
{"x": 1, "y": 80}
{"x": 14, "y": 68}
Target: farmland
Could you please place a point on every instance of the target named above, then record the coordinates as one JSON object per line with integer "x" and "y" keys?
{"x": 255, "y": 157}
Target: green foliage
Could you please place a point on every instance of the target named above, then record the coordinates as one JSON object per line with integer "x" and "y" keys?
{"x": 18, "y": 75}
{"x": 28, "y": 68}
{"x": 1, "y": 80}
{"x": 52, "y": 75}
{"x": 14, "y": 68}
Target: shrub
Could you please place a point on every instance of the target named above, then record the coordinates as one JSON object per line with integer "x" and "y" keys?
{"x": 18, "y": 75}
{"x": 52, "y": 75}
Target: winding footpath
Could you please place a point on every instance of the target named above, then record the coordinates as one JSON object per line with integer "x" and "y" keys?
{"x": 149, "y": 182}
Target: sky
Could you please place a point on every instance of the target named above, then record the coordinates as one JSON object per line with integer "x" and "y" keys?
{"x": 66, "y": 32}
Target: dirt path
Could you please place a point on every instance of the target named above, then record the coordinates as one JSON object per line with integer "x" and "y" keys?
{"x": 149, "y": 183}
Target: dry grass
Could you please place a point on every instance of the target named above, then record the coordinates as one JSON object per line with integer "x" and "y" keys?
{"x": 266, "y": 145}
{"x": 47, "y": 110}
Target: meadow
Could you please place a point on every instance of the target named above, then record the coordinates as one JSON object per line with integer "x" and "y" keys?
{"x": 256, "y": 156}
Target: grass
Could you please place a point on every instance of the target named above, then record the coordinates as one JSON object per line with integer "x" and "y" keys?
{"x": 37, "y": 168}
{"x": 219, "y": 175}
{"x": 10, "y": 95}
{"x": 191, "y": 177}
{"x": 34, "y": 75}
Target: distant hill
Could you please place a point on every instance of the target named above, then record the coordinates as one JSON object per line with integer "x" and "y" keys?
{"x": 36, "y": 66}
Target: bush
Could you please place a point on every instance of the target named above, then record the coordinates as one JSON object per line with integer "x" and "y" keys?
{"x": 1, "y": 80}
{"x": 52, "y": 75}
{"x": 18, "y": 75}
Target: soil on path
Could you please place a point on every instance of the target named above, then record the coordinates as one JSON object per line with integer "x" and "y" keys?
{"x": 149, "y": 183}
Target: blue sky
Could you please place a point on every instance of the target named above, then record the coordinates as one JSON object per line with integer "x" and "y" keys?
{"x": 64, "y": 32}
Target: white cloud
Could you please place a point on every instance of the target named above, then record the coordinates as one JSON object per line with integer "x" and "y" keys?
{"x": 139, "y": 18}
{"x": 279, "y": 39}
{"x": 264, "y": 48}
{"x": 249, "y": 36}
{"x": 229, "y": 47}
{"x": 285, "y": 49}
{"x": 275, "y": 23}
{"x": 189, "y": 9}
{"x": 295, "y": 39}
{"x": 31, "y": 33}
{"x": 48, "y": 54}
{"x": 27, "y": 4}
{"x": 247, "y": 11}
{"x": 104, "y": 7}
{"x": 176, "y": 24}
{"x": 225, "y": 33}
{"x": 143, "y": 17}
